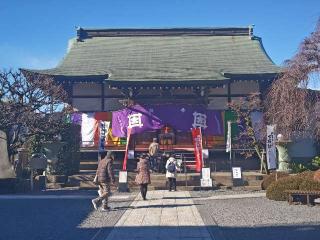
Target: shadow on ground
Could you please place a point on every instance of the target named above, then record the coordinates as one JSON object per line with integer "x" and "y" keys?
{"x": 69, "y": 219}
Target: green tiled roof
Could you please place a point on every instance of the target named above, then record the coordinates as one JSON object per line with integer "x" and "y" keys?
{"x": 164, "y": 57}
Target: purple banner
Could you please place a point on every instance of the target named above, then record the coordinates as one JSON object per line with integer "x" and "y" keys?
{"x": 76, "y": 118}
{"x": 137, "y": 117}
{"x": 180, "y": 117}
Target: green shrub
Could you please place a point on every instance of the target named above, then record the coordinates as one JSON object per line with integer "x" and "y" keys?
{"x": 316, "y": 162}
{"x": 301, "y": 181}
{"x": 298, "y": 167}
{"x": 272, "y": 178}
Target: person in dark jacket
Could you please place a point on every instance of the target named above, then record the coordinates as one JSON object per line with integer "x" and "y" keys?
{"x": 143, "y": 176}
{"x": 105, "y": 178}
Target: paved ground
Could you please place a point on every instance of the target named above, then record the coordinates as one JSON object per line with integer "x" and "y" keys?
{"x": 250, "y": 218}
{"x": 58, "y": 216}
{"x": 223, "y": 215}
{"x": 166, "y": 215}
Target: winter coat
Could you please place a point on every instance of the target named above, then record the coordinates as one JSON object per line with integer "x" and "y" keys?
{"x": 169, "y": 174}
{"x": 143, "y": 175}
{"x": 153, "y": 149}
{"x": 104, "y": 171}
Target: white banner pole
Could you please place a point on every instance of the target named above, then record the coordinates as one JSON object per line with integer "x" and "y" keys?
{"x": 271, "y": 147}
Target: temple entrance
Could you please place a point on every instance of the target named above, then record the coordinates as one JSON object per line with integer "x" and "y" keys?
{"x": 167, "y": 137}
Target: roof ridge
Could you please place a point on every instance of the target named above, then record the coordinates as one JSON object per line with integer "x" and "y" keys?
{"x": 83, "y": 33}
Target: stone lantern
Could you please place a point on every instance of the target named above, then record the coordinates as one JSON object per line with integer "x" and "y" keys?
{"x": 284, "y": 158}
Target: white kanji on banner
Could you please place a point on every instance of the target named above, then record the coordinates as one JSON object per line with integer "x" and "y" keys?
{"x": 135, "y": 120}
{"x": 199, "y": 120}
{"x": 271, "y": 147}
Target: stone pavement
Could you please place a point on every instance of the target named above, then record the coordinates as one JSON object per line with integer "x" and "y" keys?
{"x": 165, "y": 215}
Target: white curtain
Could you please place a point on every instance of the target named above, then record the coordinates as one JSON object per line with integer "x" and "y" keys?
{"x": 88, "y": 129}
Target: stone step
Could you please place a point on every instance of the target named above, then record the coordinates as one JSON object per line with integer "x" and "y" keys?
{"x": 89, "y": 172}
{"x": 55, "y": 185}
{"x": 222, "y": 179}
{"x": 88, "y": 165}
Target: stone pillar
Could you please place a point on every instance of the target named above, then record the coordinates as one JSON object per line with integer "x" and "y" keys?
{"x": 284, "y": 158}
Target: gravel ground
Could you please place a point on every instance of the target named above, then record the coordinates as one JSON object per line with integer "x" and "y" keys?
{"x": 258, "y": 218}
{"x": 63, "y": 219}
{"x": 203, "y": 194}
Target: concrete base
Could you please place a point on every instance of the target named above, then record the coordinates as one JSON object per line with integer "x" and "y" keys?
{"x": 123, "y": 187}
{"x": 40, "y": 183}
{"x": 237, "y": 182}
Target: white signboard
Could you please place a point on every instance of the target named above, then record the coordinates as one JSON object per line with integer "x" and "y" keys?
{"x": 236, "y": 173}
{"x": 206, "y": 180}
{"x": 123, "y": 176}
{"x": 271, "y": 147}
{"x": 206, "y": 173}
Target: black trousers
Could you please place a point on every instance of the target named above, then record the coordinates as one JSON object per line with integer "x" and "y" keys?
{"x": 172, "y": 184}
{"x": 143, "y": 190}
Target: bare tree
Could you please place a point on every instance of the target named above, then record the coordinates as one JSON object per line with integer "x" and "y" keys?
{"x": 289, "y": 104}
{"x": 251, "y": 136}
{"x": 30, "y": 104}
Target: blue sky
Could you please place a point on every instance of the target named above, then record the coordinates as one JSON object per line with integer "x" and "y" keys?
{"x": 34, "y": 33}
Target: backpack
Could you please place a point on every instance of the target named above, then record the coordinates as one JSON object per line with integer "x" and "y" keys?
{"x": 171, "y": 167}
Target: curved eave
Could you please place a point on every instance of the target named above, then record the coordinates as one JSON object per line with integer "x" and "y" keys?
{"x": 63, "y": 78}
{"x": 226, "y": 77}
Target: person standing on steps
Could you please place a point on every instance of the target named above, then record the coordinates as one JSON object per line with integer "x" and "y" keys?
{"x": 143, "y": 176}
{"x": 105, "y": 178}
{"x": 171, "y": 173}
{"x": 153, "y": 152}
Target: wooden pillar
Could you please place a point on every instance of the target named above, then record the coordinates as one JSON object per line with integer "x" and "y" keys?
{"x": 229, "y": 91}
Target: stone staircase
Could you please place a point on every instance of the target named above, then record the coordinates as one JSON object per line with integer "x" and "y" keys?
{"x": 188, "y": 180}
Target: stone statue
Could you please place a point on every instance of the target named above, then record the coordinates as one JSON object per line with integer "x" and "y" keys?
{"x": 6, "y": 170}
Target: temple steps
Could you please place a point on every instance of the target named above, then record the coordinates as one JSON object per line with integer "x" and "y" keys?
{"x": 189, "y": 181}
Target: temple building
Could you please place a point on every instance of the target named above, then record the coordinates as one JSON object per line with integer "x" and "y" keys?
{"x": 178, "y": 78}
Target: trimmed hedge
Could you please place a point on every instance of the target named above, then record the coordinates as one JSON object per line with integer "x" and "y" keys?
{"x": 302, "y": 181}
{"x": 309, "y": 185}
{"x": 272, "y": 178}
{"x": 276, "y": 190}
{"x": 316, "y": 176}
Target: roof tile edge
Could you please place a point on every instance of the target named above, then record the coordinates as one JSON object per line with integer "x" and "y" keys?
{"x": 83, "y": 33}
